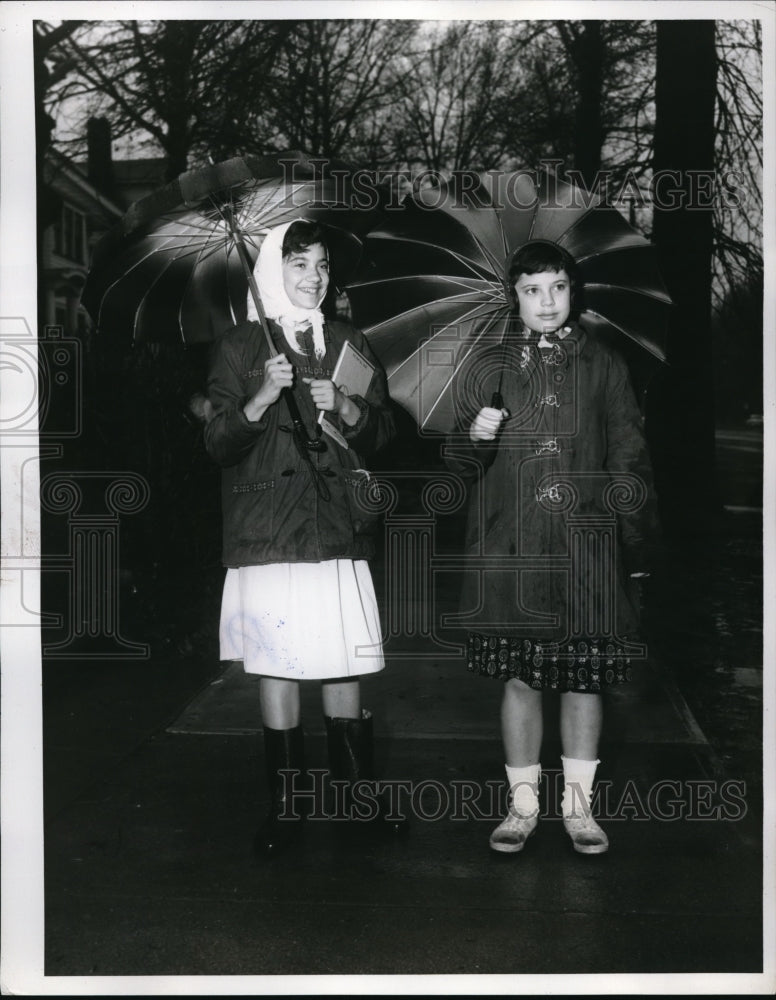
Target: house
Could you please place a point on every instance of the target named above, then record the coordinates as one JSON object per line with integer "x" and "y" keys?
{"x": 84, "y": 200}
{"x": 82, "y": 213}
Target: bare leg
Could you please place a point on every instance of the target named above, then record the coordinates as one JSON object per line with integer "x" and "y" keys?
{"x": 341, "y": 699}
{"x": 581, "y": 718}
{"x": 279, "y": 699}
{"x": 522, "y": 730}
{"x": 521, "y": 724}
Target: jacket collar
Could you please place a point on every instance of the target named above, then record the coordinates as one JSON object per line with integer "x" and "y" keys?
{"x": 574, "y": 341}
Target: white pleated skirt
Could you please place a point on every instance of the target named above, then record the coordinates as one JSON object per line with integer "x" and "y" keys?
{"x": 302, "y": 621}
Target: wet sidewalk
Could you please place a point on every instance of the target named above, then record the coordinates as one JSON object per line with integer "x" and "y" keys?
{"x": 149, "y": 870}
{"x": 154, "y": 788}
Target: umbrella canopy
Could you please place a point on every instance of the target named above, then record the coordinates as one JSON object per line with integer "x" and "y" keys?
{"x": 436, "y": 289}
{"x": 171, "y": 270}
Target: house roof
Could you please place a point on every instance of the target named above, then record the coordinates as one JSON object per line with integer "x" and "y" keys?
{"x": 146, "y": 171}
{"x": 68, "y": 177}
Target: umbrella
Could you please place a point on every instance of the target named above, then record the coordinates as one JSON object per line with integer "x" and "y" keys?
{"x": 176, "y": 267}
{"x": 179, "y": 263}
{"x": 436, "y": 289}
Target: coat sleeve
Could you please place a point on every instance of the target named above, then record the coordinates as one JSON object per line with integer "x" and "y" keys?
{"x": 627, "y": 452}
{"x": 229, "y": 435}
{"x": 375, "y": 426}
{"x": 468, "y": 459}
{"x": 471, "y": 459}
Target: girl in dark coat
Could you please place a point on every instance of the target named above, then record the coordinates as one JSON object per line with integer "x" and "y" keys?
{"x": 560, "y": 497}
{"x": 298, "y": 601}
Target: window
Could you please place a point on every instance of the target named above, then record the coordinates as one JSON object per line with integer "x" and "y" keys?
{"x": 70, "y": 235}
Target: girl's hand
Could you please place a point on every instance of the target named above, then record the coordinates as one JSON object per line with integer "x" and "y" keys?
{"x": 278, "y": 375}
{"x": 327, "y": 397}
{"x": 487, "y": 424}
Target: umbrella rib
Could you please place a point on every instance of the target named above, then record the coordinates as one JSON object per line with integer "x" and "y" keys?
{"x": 277, "y": 211}
{"x": 453, "y": 299}
{"x": 466, "y": 261}
{"x": 656, "y": 352}
{"x": 494, "y": 262}
{"x": 138, "y": 263}
{"x": 206, "y": 223}
{"x": 459, "y": 319}
{"x": 459, "y": 362}
{"x": 202, "y": 249}
{"x": 255, "y": 206}
{"x": 594, "y": 254}
{"x": 453, "y": 279}
{"x": 214, "y": 246}
{"x": 657, "y": 296}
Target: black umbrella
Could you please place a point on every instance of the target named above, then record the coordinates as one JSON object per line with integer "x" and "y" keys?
{"x": 176, "y": 267}
{"x": 437, "y": 289}
{"x": 179, "y": 264}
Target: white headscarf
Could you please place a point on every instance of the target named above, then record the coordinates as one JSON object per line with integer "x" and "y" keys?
{"x": 268, "y": 273}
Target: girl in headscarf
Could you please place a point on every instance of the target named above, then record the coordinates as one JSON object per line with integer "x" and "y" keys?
{"x": 298, "y": 601}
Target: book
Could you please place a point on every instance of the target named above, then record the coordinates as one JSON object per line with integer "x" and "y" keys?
{"x": 352, "y": 375}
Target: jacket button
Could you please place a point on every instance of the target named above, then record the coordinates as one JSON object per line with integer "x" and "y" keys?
{"x": 558, "y": 378}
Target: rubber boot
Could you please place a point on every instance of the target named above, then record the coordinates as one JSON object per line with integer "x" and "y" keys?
{"x": 283, "y": 750}
{"x": 351, "y": 759}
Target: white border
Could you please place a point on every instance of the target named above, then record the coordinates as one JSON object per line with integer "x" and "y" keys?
{"x": 22, "y": 856}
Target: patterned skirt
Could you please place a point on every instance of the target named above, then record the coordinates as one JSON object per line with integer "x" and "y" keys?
{"x": 583, "y": 665}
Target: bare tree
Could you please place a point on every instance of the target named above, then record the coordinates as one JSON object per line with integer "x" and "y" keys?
{"x": 461, "y": 92}
{"x": 333, "y": 87}
{"x": 586, "y": 50}
{"x": 50, "y": 69}
{"x": 446, "y": 96}
{"x": 188, "y": 87}
{"x": 610, "y": 86}
{"x": 739, "y": 157}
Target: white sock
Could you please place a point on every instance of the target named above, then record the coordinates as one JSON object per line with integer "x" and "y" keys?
{"x": 578, "y": 777}
{"x": 524, "y": 788}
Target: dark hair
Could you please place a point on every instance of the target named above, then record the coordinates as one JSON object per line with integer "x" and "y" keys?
{"x": 543, "y": 255}
{"x": 302, "y": 234}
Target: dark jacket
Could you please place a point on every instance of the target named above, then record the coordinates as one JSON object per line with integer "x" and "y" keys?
{"x": 271, "y": 510}
{"x": 562, "y": 502}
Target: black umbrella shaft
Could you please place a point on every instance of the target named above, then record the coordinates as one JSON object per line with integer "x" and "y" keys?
{"x": 242, "y": 251}
{"x": 303, "y": 441}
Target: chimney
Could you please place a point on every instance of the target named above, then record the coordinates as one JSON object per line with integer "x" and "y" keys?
{"x": 100, "y": 161}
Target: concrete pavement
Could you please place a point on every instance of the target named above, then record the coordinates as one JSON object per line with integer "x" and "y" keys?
{"x": 149, "y": 869}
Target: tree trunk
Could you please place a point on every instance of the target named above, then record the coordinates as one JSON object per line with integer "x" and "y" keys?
{"x": 680, "y": 414}
{"x": 588, "y": 126}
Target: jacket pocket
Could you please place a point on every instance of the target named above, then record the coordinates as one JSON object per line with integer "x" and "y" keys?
{"x": 364, "y": 499}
